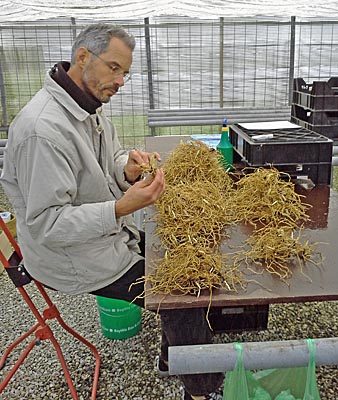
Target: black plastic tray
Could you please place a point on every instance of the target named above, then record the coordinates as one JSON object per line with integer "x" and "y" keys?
{"x": 297, "y": 151}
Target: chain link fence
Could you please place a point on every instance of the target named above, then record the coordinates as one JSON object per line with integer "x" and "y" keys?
{"x": 178, "y": 63}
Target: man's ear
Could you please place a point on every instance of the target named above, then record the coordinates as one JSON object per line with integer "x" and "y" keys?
{"x": 82, "y": 57}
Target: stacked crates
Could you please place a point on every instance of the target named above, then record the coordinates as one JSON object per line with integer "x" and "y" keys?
{"x": 315, "y": 106}
{"x": 295, "y": 150}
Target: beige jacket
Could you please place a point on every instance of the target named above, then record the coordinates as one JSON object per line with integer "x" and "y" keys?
{"x": 63, "y": 199}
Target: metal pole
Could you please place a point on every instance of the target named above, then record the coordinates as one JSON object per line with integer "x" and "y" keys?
{"x": 3, "y": 97}
{"x": 208, "y": 358}
{"x": 73, "y": 22}
{"x": 292, "y": 57}
{"x": 221, "y": 62}
{"x": 149, "y": 68}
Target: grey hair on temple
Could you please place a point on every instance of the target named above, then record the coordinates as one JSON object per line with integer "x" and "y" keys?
{"x": 97, "y": 37}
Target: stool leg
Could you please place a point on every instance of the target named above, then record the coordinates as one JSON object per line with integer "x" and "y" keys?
{"x": 14, "y": 344}
{"x": 44, "y": 332}
{"x": 52, "y": 312}
{"x": 17, "y": 365}
{"x": 88, "y": 344}
{"x": 65, "y": 368}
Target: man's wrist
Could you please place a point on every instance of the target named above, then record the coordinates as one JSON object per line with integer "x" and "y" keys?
{"x": 131, "y": 182}
{"x": 119, "y": 210}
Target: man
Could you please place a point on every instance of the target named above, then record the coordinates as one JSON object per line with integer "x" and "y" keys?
{"x": 74, "y": 188}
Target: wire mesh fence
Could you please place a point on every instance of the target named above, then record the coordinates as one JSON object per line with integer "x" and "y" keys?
{"x": 178, "y": 63}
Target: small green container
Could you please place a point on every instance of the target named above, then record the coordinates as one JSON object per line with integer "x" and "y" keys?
{"x": 119, "y": 319}
{"x": 225, "y": 147}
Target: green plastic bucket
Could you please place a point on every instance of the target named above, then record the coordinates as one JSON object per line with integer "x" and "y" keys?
{"x": 119, "y": 319}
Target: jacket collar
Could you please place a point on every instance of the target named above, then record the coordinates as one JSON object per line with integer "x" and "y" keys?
{"x": 77, "y": 102}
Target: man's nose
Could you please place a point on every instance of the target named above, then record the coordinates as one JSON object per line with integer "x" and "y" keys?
{"x": 120, "y": 80}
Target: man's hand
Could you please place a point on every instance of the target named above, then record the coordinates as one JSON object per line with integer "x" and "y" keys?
{"x": 136, "y": 158}
{"x": 141, "y": 194}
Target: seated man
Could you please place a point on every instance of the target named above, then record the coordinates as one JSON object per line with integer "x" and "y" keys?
{"x": 74, "y": 188}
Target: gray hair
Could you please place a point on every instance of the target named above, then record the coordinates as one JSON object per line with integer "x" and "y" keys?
{"x": 97, "y": 37}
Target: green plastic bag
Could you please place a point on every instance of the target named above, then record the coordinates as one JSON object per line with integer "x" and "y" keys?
{"x": 235, "y": 384}
{"x": 274, "y": 384}
{"x": 240, "y": 384}
{"x": 285, "y": 395}
{"x": 279, "y": 380}
{"x": 311, "y": 388}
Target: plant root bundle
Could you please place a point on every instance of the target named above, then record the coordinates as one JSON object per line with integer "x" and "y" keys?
{"x": 275, "y": 249}
{"x": 272, "y": 206}
{"x": 194, "y": 214}
{"x": 201, "y": 201}
{"x": 189, "y": 269}
{"x": 263, "y": 197}
{"x": 196, "y": 162}
{"x": 191, "y": 217}
{"x": 150, "y": 167}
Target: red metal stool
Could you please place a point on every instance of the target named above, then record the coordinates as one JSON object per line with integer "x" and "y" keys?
{"x": 42, "y": 331}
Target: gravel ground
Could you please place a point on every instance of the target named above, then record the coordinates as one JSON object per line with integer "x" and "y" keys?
{"x": 127, "y": 369}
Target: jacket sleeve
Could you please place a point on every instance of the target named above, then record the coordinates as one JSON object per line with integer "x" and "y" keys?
{"x": 118, "y": 157}
{"x": 49, "y": 186}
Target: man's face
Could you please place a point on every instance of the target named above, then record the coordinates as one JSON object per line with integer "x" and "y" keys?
{"x": 104, "y": 74}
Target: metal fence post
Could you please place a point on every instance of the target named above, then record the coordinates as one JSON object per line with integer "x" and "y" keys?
{"x": 292, "y": 56}
{"x": 73, "y": 22}
{"x": 149, "y": 68}
{"x": 4, "y": 121}
{"x": 221, "y": 62}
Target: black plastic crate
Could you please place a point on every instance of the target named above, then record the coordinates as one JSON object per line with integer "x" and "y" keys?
{"x": 287, "y": 146}
{"x": 330, "y": 131}
{"x": 320, "y": 174}
{"x": 315, "y": 117}
{"x": 239, "y": 318}
{"x": 323, "y": 122}
{"x": 319, "y": 95}
{"x": 297, "y": 151}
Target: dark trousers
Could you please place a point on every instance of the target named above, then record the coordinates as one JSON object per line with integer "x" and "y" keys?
{"x": 179, "y": 327}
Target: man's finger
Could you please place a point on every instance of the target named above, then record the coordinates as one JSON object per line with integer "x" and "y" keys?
{"x": 157, "y": 155}
{"x": 148, "y": 180}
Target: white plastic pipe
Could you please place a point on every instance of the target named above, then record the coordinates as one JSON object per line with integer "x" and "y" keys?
{"x": 197, "y": 359}
{"x": 335, "y": 160}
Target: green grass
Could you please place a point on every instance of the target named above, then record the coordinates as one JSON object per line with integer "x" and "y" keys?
{"x": 23, "y": 74}
{"x": 132, "y": 129}
{"x": 335, "y": 179}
